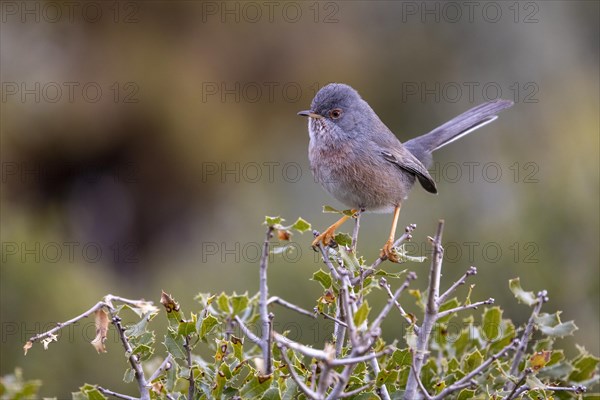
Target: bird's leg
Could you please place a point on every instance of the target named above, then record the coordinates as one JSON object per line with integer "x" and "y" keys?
{"x": 327, "y": 237}
{"x": 388, "y": 250}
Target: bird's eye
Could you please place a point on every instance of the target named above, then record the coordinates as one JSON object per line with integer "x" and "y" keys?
{"x": 335, "y": 113}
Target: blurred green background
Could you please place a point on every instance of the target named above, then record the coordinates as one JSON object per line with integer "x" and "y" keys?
{"x": 143, "y": 144}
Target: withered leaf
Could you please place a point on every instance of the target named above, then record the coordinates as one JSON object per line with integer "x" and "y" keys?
{"x": 101, "y": 320}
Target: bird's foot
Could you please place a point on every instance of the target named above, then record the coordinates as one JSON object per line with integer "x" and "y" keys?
{"x": 326, "y": 238}
{"x": 388, "y": 252}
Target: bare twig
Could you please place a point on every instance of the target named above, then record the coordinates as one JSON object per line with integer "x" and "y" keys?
{"x": 327, "y": 261}
{"x": 443, "y": 297}
{"x": 357, "y": 215}
{"x": 542, "y": 297}
{"x": 358, "y": 390}
{"x": 188, "y": 353}
{"x": 466, "y": 380}
{"x": 340, "y": 327}
{"x": 134, "y": 360}
{"x": 249, "y": 334}
{"x": 61, "y": 325}
{"x": 291, "y": 306}
{"x": 307, "y": 351}
{"x": 308, "y": 391}
{"x": 265, "y": 343}
{"x": 385, "y": 395}
{"x": 391, "y": 302}
{"x": 406, "y": 236}
{"x": 337, "y": 321}
{"x": 384, "y": 284}
{"x": 166, "y": 365}
{"x": 431, "y": 310}
{"x": 348, "y": 309}
{"x": 114, "y": 394}
{"x": 424, "y": 391}
{"x": 442, "y": 314}
{"x": 520, "y": 383}
{"x": 355, "y": 360}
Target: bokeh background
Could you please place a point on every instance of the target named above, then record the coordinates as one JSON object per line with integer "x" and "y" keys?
{"x": 144, "y": 142}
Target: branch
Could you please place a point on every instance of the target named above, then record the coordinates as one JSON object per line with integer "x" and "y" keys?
{"x": 355, "y": 360}
{"x": 406, "y": 236}
{"x": 347, "y": 308}
{"x": 466, "y": 380}
{"x": 291, "y": 306}
{"x": 442, "y": 314}
{"x": 165, "y": 366}
{"x": 188, "y": 351}
{"x": 385, "y": 395}
{"x": 307, "y": 351}
{"x": 518, "y": 389}
{"x": 357, "y": 215}
{"x": 471, "y": 271}
{"x": 265, "y": 318}
{"x": 115, "y": 394}
{"x": 327, "y": 262}
{"x": 357, "y": 391}
{"x": 308, "y": 391}
{"x": 383, "y": 283}
{"x": 247, "y": 331}
{"x": 391, "y": 302}
{"x": 337, "y": 321}
{"x": 133, "y": 358}
{"x": 61, "y": 325}
{"x": 542, "y": 298}
{"x": 340, "y": 327}
{"x": 430, "y": 315}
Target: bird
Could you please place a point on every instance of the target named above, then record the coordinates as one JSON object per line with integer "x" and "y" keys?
{"x": 359, "y": 161}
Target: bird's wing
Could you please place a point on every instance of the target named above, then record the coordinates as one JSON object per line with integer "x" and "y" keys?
{"x": 404, "y": 160}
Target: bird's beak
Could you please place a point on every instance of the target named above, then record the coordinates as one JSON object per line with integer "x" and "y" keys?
{"x": 308, "y": 113}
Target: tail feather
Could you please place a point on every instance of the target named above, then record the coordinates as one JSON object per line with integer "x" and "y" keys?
{"x": 467, "y": 122}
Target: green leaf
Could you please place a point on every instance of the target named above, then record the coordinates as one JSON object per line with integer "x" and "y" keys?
{"x": 129, "y": 375}
{"x": 271, "y": 394}
{"x": 490, "y": 324}
{"x": 349, "y": 259}
{"x": 172, "y": 377}
{"x": 387, "y": 377}
{"x": 174, "y": 345}
{"x": 188, "y": 327}
{"x": 522, "y": 296}
{"x": 223, "y": 303}
{"x": 239, "y": 303}
{"x": 92, "y": 393}
{"x": 448, "y": 305}
{"x": 466, "y": 394}
{"x": 343, "y": 239}
{"x": 208, "y": 324}
{"x": 551, "y": 325}
{"x": 473, "y": 361}
{"x": 404, "y": 256}
{"x": 585, "y": 366}
{"x": 329, "y": 209}
{"x": 291, "y": 389}
{"x": 255, "y": 387}
{"x": 361, "y": 314}
{"x": 403, "y": 357}
{"x": 324, "y": 278}
{"x": 301, "y": 225}
{"x": 272, "y": 221}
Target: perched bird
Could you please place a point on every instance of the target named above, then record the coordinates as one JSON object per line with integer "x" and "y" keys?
{"x": 361, "y": 163}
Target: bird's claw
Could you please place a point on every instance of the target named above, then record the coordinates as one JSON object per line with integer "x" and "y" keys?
{"x": 389, "y": 252}
{"x": 326, "y": 238}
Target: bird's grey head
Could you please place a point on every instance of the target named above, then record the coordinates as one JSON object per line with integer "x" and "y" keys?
{"x": 337, "y": 112}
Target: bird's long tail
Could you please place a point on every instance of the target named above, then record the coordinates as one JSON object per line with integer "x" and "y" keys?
{"x": 422, "y": 146}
